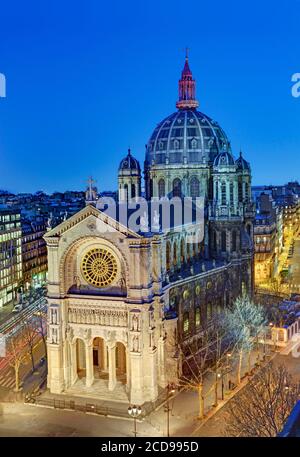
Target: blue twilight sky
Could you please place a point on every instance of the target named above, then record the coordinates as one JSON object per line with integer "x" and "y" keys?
{"x": 86, "y": 79}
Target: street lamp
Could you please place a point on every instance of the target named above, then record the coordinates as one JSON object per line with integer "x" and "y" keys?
{"x": 134, "y": 411}
{"x": 221, "y": 376}
{"x": 170, "y": 391}
{"x": 228, "y": 356}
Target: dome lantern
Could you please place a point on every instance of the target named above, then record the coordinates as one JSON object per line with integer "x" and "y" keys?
{"x": 187, "y": 88}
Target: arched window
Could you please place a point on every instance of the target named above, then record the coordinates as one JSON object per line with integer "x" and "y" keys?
{"x": 223, "y": 241}
{"x": 233, "y": 241}
{"x": 151, "y": 188}
{"x": 168, "y": 255}
{"x": 182, "y": 257}
{"x": 188, "y": 252}
{"x": 217, "y": 190}
{"x": 249, "y": 229}
{"x": 176, "y": 144}
{"x": 175, "y": 254}
{"x": 197, "y": 317}
{"x": 186, "y": 323}
{"x": 161, "y": 188}
{"x": 223, "y": 193}
{"x": 246, "y": 192}
{"x": 126, "y": 191}
{"x": 176, "y": 187}
{"x": 240, "y": 191}
{"x": 133, "y": 193}
{"x": 215, "y": 240}
{"x": 231, "y": 193}
{"x": 195, "y": 187}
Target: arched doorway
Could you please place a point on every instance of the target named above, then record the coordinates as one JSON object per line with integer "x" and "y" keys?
{"x": 99, "y": 358}
{"x": 80, "y": 358}
{"x": 121, "y": 368}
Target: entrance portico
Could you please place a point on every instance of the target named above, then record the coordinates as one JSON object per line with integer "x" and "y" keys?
{"x": 98, "y": 361}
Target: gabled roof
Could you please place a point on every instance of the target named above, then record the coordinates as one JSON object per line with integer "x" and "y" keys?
{"x": 83, "y": 214}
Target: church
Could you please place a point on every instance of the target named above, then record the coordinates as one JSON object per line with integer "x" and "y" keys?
{"x": 123, "y": 299}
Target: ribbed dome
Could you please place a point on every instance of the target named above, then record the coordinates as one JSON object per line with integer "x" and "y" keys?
{"x": 242, "y": 164}
{"x": 129, "y": 164}
{"x": 224, "y": 159}
{"x": 186, "y": 136}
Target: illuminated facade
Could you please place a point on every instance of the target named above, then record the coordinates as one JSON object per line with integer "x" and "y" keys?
{"x": 122, "y": 302}
{"x": 34, "y": 252}
{"x": 10, "y": 255}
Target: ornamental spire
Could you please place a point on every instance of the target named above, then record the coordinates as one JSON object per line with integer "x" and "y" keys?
{"x": 187, "y": 87}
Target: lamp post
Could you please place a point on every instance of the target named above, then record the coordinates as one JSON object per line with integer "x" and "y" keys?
{"x": 228, "y": 356}
{"x": 134, "y": 411}
{"x": 170, "y": 390}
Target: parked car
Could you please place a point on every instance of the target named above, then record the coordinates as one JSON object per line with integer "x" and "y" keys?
{"x": 17, "y": 308}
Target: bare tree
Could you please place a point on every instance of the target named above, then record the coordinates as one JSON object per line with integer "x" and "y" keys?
{"x": 244, "y": 322}
{"x": 263, "y": 406}
{"x": 29, "y": 335}
{"x": 41, "y": 327}
{"x": 196, "y": 358}
{"x": 222, "y": 348}
{"x": 17, "y": 356}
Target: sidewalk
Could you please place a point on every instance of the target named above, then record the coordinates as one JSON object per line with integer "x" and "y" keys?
{"x": 185, "y": 405}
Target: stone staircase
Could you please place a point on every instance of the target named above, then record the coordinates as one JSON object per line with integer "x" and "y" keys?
{"x": 98, "y": 391}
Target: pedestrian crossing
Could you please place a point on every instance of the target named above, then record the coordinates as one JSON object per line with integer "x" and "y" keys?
{"x": 7, "y": 380}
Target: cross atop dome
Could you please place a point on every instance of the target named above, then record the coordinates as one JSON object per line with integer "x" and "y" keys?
{"x": 186, "y": 69}
{"x": 187, "y": 87}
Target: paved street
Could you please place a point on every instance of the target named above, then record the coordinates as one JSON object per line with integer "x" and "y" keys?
{"x": 25, "y": 420}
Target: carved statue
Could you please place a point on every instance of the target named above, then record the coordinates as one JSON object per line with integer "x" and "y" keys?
{"x": 77, "y": 282}
{"x": 135, "y": 344}
{"x": 144, "y": 222}
{"x": 156, "y": 220}
{"x": 135, "y": 322}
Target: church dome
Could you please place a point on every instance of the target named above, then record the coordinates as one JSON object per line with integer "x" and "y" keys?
{"x": 242, "y": 164}
{"x": 186, "y": 136}
{"x": 129, "y": 165}
{"x": 224, "y": 159}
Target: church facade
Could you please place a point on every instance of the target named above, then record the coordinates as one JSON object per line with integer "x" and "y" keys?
{"x": 123, "y": 302}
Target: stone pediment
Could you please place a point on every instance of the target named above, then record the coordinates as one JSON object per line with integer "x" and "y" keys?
{"x": 96, "y": 221}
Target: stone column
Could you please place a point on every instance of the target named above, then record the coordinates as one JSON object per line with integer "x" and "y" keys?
{"x": 104, "y": 353}
{"x": 112, "y": 378}
{"x": 73, "y": 357}
{"x": 89, "y": 363}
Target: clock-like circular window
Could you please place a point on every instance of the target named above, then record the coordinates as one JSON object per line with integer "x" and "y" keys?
{"x": 99, "y": 267}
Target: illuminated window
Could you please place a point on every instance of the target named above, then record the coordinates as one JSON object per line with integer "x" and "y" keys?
{"x": 197, "y": 317}
{"x": 186, "y": 323}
